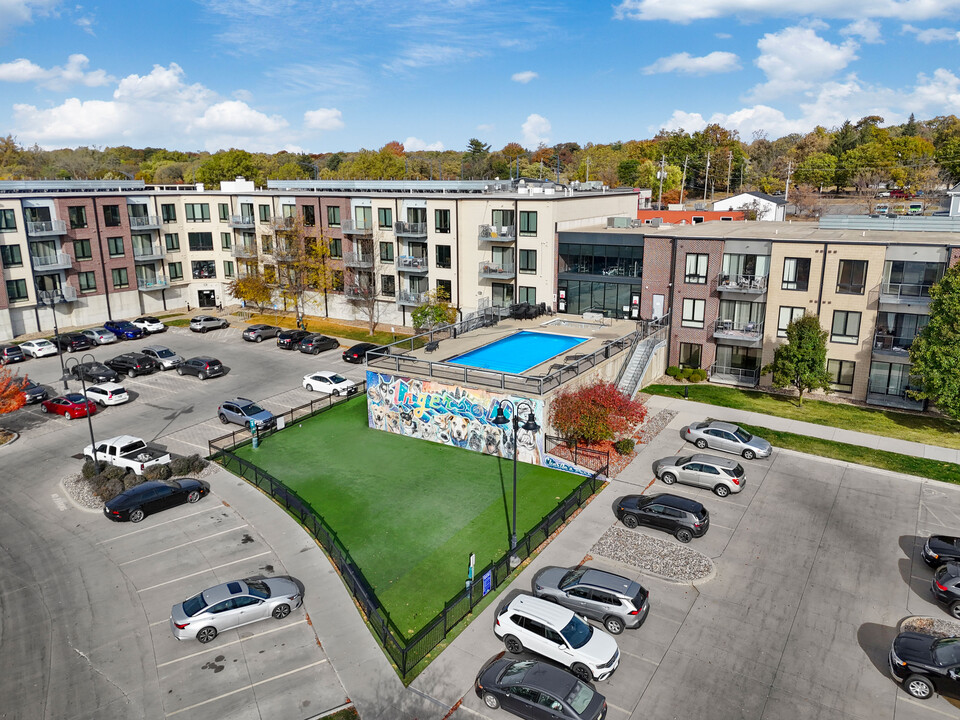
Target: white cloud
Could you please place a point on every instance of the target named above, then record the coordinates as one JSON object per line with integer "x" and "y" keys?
{"x": 323, "y": 119}
{"x": 932, "y": 35}
{"x": 235, "y": 117}
{"x": 55, "y": 78}
{"x": 419, "y": 56}
{"x": 866, "y": 30}
{"x": 74, "y": 121}
{"x": 20, "y": 12}
{"x": 524, "y": 77}
{"x": 680, "y": 120}
{"x": 486, "y": 127}
{"x": 414, "y": 144}
{"x": 795, "y": 58}
{"x": 722, "y": 36}
{"x": 535, "y": 130}
{"x": 715, "y": 62}
{"x": 685, "y": 11}
{"x": 86, "y": 24}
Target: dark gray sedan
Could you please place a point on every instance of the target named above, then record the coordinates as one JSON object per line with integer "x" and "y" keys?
{"x": 728, "y": 438}
{"x": 257, "y": 333}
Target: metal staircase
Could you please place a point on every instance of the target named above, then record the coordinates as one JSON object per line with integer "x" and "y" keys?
{"x": 636, "y": 367}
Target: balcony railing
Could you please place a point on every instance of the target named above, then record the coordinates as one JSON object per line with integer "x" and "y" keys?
{"x": 904, "y": 292}
{"x": 497, "y": 233}
{"x": 496, "y": 270}
{"x": 412, "y": 264}
{"x": 282, "y": 252}
{"x": 359, "y": 292}
{"x": 145, "y": 222}
{"x": 879, "y": 394}
{"x": 155, "y": 283}
{"x": 149, "y": 252}
{"x": 742, "y": 283}
{"x": 734, "y": 376}
{"x": 355, "y": 259}
{"x": 750, "y": 332}
{"x": 886, "y": 344}
{"x": 242, "y": 221}
{"x": 66, "y": 293}
{"x": 279, "y": 223}
{"x": 356, "y": 227}
{"x": 47, "y": 227}
{"x": 409, "y": 297}
{"x": 244, "y": 251}
{"x": 410, "y": 229}
{"x": 52, "y": 261}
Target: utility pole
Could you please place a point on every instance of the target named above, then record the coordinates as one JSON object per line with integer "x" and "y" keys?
{"x": 660, "y": 174}
{"x": 729, "y": 167}
{"x": 786, "y": 192}
{"x": 558, "y": 165}
{"x": 683, "y": 182}
{"x": 706, "y": 177}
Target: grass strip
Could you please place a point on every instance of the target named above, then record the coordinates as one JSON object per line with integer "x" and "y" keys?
{"x": 180, "y": 322}
{"x": 885, "y": 423}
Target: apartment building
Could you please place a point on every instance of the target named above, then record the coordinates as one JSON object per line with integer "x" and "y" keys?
{"x": 94, "y": 250}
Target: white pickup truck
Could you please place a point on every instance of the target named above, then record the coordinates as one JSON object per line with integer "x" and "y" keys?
{"x": 129, "y": 452}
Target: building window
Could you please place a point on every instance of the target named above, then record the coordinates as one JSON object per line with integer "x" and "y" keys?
{"x": 225, "y": 240}
{"x": 168, "y": 212}
{"x": 82, "y": 250}
{"x": 696, "y": 269}
{"x": 333, "y": 216}
{"x": 200, "y": 240}
{"x": 852, "y": 277}
{"x": 846, "y": 327}
{"x": 527, "y": 295}
{"x": 203, "y": 269}
{"x": 386, "y": 252}
{"x": 528, "y": 222}
{"x": 173, "y": 242}
{"x": 8, "y": 221}
{"x": 309, "y": 215}
{"x": 115, "y": 247}
{"x": 444, "y": 289}
{"x": 388, "y": 283}
{"x": 197, "y": 212}
{"x": 890, "y": 379}
{"x": 796, "y": 274}
{"x": 693, "y": 313}
{"x": 443, "y": 256}
{"x": 17, "y": 290}
{"x": 336, "y": 248}
{"x": 120, "y": 278}
{"x": 224, "y": 211}
{"x": 910, "y": 279}
{"x": 502, "y": 294}
{"x": 10, "y": 255}
{"x": 228, "y": 268}
{"x": 841, "y": 375}
{"x": 528, "y": 261}
{"x": 111, "y": 215}
{"x": 266, "y": 242}
{"x": 88, "y": 281}
{"x": 690, "y": 355}
{"x": 176, "y": 270}
{"x": 78, "y": 216}
{"x": 385, "y": 218}
{"x": 264, "y": 211}
{"x": 787, "y": 315}
{"x": 442, "y": 220}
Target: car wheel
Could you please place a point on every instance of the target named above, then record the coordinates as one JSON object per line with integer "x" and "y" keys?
{"x": 223, "y": 418}
{"x": 669, "y": 478}
{"x": 131, "y": 373}
{"x": 513, "y": 645}
{"x": 581, "y": 671}
{"x": 194, "y": 496}
{"x": 955, "y": 609}
{"x": 630, "y": 521}
{"x": 701, "y": 443}
{"x": 206, "y": 634}
{"x": 721, "y": 490}
{"x": 749, "y": 454}
{"x": 336, "y": 393}
{"x": 614, "y": 625}
{"x": 684, "y": 535}
{"x": 316, "y": 351}
{"x": 136, "y": 515}
{"x": 68, "y": 415}
{"x": 101, "y": 403}
{"x": 258, "y": 339}
{"x": 490, "y": 700}
{"x": 203, "y": 330}
{"x": 311, "y": 388}
{"x": 202, "y": 375}
{"x": 44, "y": 409}
{"x": 179, "y": 371}
{"x": 281, "y": 611}
{"x": 919, "y": 687}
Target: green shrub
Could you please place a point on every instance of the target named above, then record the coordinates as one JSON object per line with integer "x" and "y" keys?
{"x": 132, "y": 480}
{"x": 625, "y": 446}
{"x": 673, "y": 371}
{"x": 685, "y": 373}
{"x": 703, "y": 374}
{"x": 104, "y": 487}
{"x": 188, "y": 465}
{"x": 112, "y": 472}
{"x": 156, "y": 472}
{"x": 88, "y": 470}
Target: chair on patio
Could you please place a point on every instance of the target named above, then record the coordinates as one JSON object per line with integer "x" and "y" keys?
{"x": 750, "y": 328}
{"x": 431, "y": 346}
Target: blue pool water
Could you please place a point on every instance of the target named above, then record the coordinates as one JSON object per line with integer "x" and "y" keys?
{"x": 519, "y": 352}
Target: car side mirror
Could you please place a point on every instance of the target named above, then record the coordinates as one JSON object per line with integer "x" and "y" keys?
{"x": 954, "y": 674}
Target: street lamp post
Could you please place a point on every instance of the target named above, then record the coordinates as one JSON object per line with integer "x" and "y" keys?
{"x": 56, "y": 330}
{"x": 83, "y": 384}
{"x": 530, "y": 425}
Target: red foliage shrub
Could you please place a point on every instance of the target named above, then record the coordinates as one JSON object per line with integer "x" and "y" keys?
{"x": 595, "y": 413}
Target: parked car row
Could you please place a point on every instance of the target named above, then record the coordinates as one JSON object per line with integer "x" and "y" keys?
{"x": 110, "y": 332}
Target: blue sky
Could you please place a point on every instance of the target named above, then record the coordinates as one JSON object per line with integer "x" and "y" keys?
{"x": 267, "y": 75}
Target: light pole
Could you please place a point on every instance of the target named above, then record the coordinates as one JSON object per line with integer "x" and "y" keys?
{"x": 83, "y": 384}
{"x": 530, "y": 426}
{"x": 54, "y": 294}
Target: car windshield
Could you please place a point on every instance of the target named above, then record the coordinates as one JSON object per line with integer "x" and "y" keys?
{"x": 515, "y": 671}
{"x": 572, "y": 578}
{"x": 258, "y": 588}
{"x": 75, "y": 397}
{"x": 42, "y": 343}
{"x": 97, "y": 367}
{"x": 947, "y": 652}
{"x": 337, "y": 379}
{"x": 743, "y": 435}
{"x": 580, "y": 697}
{"x": 252, "y": 410}
{"x": 149, "y": 320}
{"x": 577, "y": 632}
{"x": 194, "y": 605}
{"x": 165, "y": 353}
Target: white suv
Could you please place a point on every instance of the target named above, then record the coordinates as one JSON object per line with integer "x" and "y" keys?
{"x": 555, "y": 632}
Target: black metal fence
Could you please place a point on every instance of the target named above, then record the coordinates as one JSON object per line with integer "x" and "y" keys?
{"x": 592, "y": 458}
{"x": 406, "y": 653}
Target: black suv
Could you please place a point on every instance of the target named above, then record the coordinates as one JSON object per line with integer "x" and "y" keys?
{"x": 290, "y": 339}
{"x": 316, "y": 343}
{"x": 940, "y": 549}
{"x": 925, "y": 664}
{"x": 946, "y": 587}
{"x": 134, "y": 364}
{"x": 72, "y": 342}
{"x": 358, "y": 353}
{"x": 93, "y": 372}
{"x": 684, "y": 519}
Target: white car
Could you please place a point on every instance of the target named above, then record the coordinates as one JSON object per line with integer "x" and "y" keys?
{"x": 558, "y": 633}
{"x": 107, "y": 393}
{"x": 149, "y": 324}
{"x": 330, "y": 383}
{"x": 38, "y": 348}
{"x": 100, "y": 336}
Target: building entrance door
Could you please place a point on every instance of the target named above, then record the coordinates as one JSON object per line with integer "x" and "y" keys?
{"x": 206, "y": 298}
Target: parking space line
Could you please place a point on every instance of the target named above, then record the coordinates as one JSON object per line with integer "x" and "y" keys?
{"x": 246, "y": 687}
{"x": 722, "y": 527}
{"x": 640, "y": 657}
{"x": 615, "y": 707}
{"x": 219, "y": 646}
{"x": 201, "y": 572}
{"x": 920, "y": 704}
{"x": 177, "y": 547}
{"x": 151, "y": 527}
{"x": 474, "y": 712}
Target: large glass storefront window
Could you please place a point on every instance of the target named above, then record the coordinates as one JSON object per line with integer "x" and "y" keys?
{"x": 614, "y": 260}
{"x": 608, "y": 298}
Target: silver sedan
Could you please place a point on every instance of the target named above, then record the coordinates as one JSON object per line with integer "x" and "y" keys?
{"x": 100, "y": 336}
{"x": 728, "y": 438}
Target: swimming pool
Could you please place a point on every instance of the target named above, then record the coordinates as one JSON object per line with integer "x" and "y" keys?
{"x": 519, "y": 352}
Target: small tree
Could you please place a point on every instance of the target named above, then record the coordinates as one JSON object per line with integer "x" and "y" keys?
{"x": 252, "y": 289}
{"x": 360, "y": 284}
{"x": 11, "y": 392}
{"x": 435, "y": 311}
{"x": 935, "y": 353}
{"x": 801, "y": 362}
{"x": 594, "y": 413}
{"x": 303, "y": 266}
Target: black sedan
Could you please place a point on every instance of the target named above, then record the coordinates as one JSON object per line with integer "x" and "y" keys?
{"x": 358, "y": 353}
{"x": 316, "y": 343}
{"x": 151, "y": 497}
{"x": 257, "y": 333}
{"x": 535, "y": 690}
{"x": 34, "y": 391}
{"x": 925, "y": 664}
{"x": 71, "y": 342}
{"x": 202, "y": 367}
{"x": 290, "y": 339}
{"x": 946, "y": 587}
{"x": 93, "y": 372}
{"x": 940, "y": 549}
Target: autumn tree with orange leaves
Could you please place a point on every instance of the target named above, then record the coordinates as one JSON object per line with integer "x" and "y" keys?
{"x": 595, "y": 413}
{"x": 11, "y": 392}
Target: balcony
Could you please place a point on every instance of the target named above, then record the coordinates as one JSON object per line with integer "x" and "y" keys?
{"x": 282, "y": 253}
{"x": 244, "y": 251}
{"x": 356, "y": 227}
{"x": 145, "y": 222}
{"x": 359, "y": 292}
{"x": 725, "y": 375}
{"x": 497, "y": 233}
{"x": 158, "y": 282}
{"x": 65, "y": 293}
{"x": 47, "y": 227}
{"x": 242, "y": 221}
{"x": 886, "y": 344}
{"x": 410, "y": 229}
{"x": 904, "y": 293}
{"x": 412, "y": 264}
{"x": 497, "y": 271}
{"x": 358, "y": 260}
{"x": 409, "y": 297}
{"x": 744, "y": 284}
{"x": 742, "y": 333}
{"x": 279, "y": 223}
{"x": 53, "y": 261}
{"x": 148, "y": 253}
{"x": 900, "y": 401}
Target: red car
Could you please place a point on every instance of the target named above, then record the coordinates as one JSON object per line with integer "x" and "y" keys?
{"x": 70, "y": 406}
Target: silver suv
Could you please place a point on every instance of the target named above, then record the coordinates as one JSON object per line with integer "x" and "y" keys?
{"x": 202, "y": 323}
{"x": 616, "y": 601}
{"x": 167, "y": 358}
{"x": 721, "y": 475}
{"x": 242, "y": 410}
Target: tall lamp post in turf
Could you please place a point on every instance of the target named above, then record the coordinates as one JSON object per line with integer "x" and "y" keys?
{"x": 51, "y": 298}
{"x": 88, "y": 358}
{"x": 529, "y": 425}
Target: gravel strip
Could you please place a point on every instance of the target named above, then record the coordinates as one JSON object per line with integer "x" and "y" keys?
{"x": 666, "y": 559}
{"x": 79, "y": 491}
{"x": 931, "y": 626}
{"x": 653, "y": 426}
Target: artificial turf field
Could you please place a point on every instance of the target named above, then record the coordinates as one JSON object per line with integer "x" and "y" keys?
{"x": 409, "y": 511}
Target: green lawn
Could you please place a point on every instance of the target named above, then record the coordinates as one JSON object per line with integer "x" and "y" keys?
{"x": 409, "y": 511}
{"x": 886, "y": 423}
